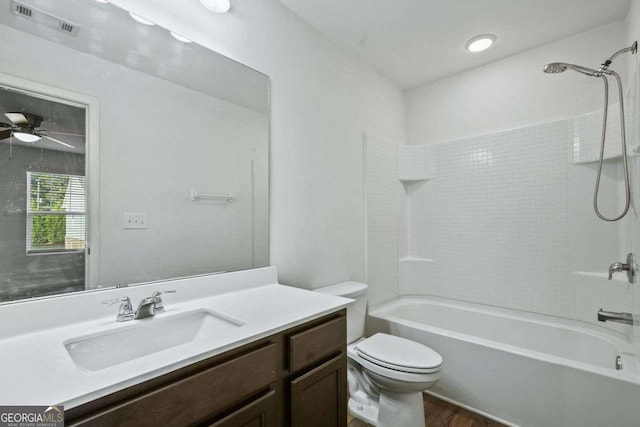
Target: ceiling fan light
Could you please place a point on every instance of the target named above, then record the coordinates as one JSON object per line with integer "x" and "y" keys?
{"x": 141, "y": 20}
{"x": 217, "y": 6}
{"x": 179, "y": 37}
{"x": 26, "y": 136}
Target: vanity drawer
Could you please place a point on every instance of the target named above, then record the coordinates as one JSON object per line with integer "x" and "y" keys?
{"x": 195, "y": 398}
{"x": 317, "y": 343}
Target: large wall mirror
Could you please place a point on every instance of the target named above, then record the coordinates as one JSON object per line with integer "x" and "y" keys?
{"x": 128, "y": 154}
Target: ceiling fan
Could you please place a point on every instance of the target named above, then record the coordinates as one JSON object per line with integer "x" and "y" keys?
{"x": 26, "y": 128}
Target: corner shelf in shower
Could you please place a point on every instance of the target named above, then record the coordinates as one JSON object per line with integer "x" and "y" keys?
{"x": 601, "y": 276}
{"x": 416, "y": 163}
{"x": 591, "y": 160}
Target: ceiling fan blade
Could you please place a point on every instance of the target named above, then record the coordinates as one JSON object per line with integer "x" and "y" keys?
{"x": 5, "y": 133}
{"x": 59, "y": 142}
{"x": 18, "y": 119}
{"x": 61, "y": 133}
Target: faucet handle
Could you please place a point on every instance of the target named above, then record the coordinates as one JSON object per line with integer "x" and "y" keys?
{"x": 125, "y": 312}
{"x": 158, "y": 293}
{"x": 159, "y": 307}
{"x": 615, "y": 267}
{"x": 629, "y": 267}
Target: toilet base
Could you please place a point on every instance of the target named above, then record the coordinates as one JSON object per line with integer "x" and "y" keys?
{"x": 391, "y": 410}
{"x": 400, "y": 409}
{"x": 366, "y": 413}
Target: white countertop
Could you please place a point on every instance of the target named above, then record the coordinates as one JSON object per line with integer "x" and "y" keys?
{"x": 36, "y": 369}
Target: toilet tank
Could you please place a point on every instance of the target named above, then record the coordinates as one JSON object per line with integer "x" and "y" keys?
{"x": 357, "y": 311}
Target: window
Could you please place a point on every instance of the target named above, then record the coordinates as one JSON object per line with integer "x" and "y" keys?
{"x": 56, "y": 213}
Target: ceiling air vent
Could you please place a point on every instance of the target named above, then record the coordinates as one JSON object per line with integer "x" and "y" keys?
{"x": 43, "y": 18}
{"x": 66, "y": 27}
{"x": 24, "y": 10}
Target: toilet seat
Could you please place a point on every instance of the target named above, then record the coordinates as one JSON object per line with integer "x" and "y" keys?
{"x": 399, "y": 354}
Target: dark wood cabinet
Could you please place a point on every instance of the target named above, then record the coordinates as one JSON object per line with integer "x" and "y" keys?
{"x": 259, "y": 413}
{"x": 294, "y": 378}
{"x": 318, "y": 397}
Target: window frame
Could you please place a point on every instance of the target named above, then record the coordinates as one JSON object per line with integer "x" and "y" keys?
{"x": 30, "y": 214}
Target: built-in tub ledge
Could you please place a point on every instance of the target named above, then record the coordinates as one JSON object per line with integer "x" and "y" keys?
{"x": 604, "y": 276}
{"x": 49, "y": 349}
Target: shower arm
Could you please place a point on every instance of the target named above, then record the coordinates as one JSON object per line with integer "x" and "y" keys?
{"x": 633, "y": 49}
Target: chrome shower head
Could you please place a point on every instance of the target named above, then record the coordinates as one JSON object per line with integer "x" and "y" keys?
{"x": 559, "y": 67}
{"x": 555, "y": 68}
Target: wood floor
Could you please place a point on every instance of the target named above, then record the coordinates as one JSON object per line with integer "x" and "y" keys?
{"x": 439, "y": 413}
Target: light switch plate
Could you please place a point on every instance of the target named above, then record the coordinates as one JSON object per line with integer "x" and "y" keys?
{"x": 135, "y": 220}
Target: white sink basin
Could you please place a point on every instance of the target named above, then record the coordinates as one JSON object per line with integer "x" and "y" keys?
{"x": 147, "y": 336}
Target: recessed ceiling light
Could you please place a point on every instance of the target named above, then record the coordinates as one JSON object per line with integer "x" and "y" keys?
{"x": 102, "y": 1}
{"x": 480, "y": 43}
{"x": 178, "y": 37}
{"x": 217, "y": 6}
{"x": 140, "y": 19}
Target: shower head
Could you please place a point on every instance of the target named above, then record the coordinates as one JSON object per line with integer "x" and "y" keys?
{"x": 560, "y": 67}
{"x": 555, "y": 67}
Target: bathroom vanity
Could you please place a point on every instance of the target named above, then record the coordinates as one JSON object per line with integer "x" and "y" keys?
{"x": 231, "y": 349}
{"x": 294, "y": 377}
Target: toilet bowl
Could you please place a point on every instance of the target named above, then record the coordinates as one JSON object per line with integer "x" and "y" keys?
{"x": 386, "y": 374}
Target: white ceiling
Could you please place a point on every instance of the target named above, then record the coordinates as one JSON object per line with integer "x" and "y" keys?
{"x": 417, "y": 41}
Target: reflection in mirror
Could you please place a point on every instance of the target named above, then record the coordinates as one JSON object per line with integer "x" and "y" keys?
{"x": 42, "y": 167}
{"x": 111, "y": 182}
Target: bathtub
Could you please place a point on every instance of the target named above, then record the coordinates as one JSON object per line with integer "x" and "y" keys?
{"x": 520, "y": 368}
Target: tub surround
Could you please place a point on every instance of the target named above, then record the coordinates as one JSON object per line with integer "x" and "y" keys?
{"x": 522, "y": 198}
{"x": 37, "y": 367}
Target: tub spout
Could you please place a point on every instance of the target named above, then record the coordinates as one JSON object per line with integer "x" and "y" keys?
{"x": 612, "y": 316}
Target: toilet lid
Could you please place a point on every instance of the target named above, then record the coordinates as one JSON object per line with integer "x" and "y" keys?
{"x": 399, "y": 354}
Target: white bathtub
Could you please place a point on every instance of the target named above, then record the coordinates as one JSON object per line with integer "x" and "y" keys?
{"x": 521, "y": 368}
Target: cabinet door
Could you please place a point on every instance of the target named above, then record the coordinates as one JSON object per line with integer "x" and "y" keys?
{"x": 319, "y": 397}
{"x": 259, "y": 413}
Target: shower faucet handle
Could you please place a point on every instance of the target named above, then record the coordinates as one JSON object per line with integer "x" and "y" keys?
{"x": 629, "y": 267}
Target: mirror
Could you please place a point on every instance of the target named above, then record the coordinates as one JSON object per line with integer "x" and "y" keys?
{"x": 128, "y": 154}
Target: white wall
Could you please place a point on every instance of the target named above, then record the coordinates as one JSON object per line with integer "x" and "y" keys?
{"x": 322, "y": 102}
{"x": 514, "y": 92}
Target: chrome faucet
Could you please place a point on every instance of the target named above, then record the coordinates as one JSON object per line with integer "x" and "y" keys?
{"x": 147, "y": 307}
{"x": 151, "y": 306}
{"x": 629, "y": 267}
{"x": 612, "y": 316}
{"x": 125, "y": 312}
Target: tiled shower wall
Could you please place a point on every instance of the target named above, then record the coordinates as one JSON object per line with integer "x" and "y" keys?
{"x": 506, "y": 220}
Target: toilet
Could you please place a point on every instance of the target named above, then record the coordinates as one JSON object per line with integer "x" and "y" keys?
{"x": 386, "y": 374}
